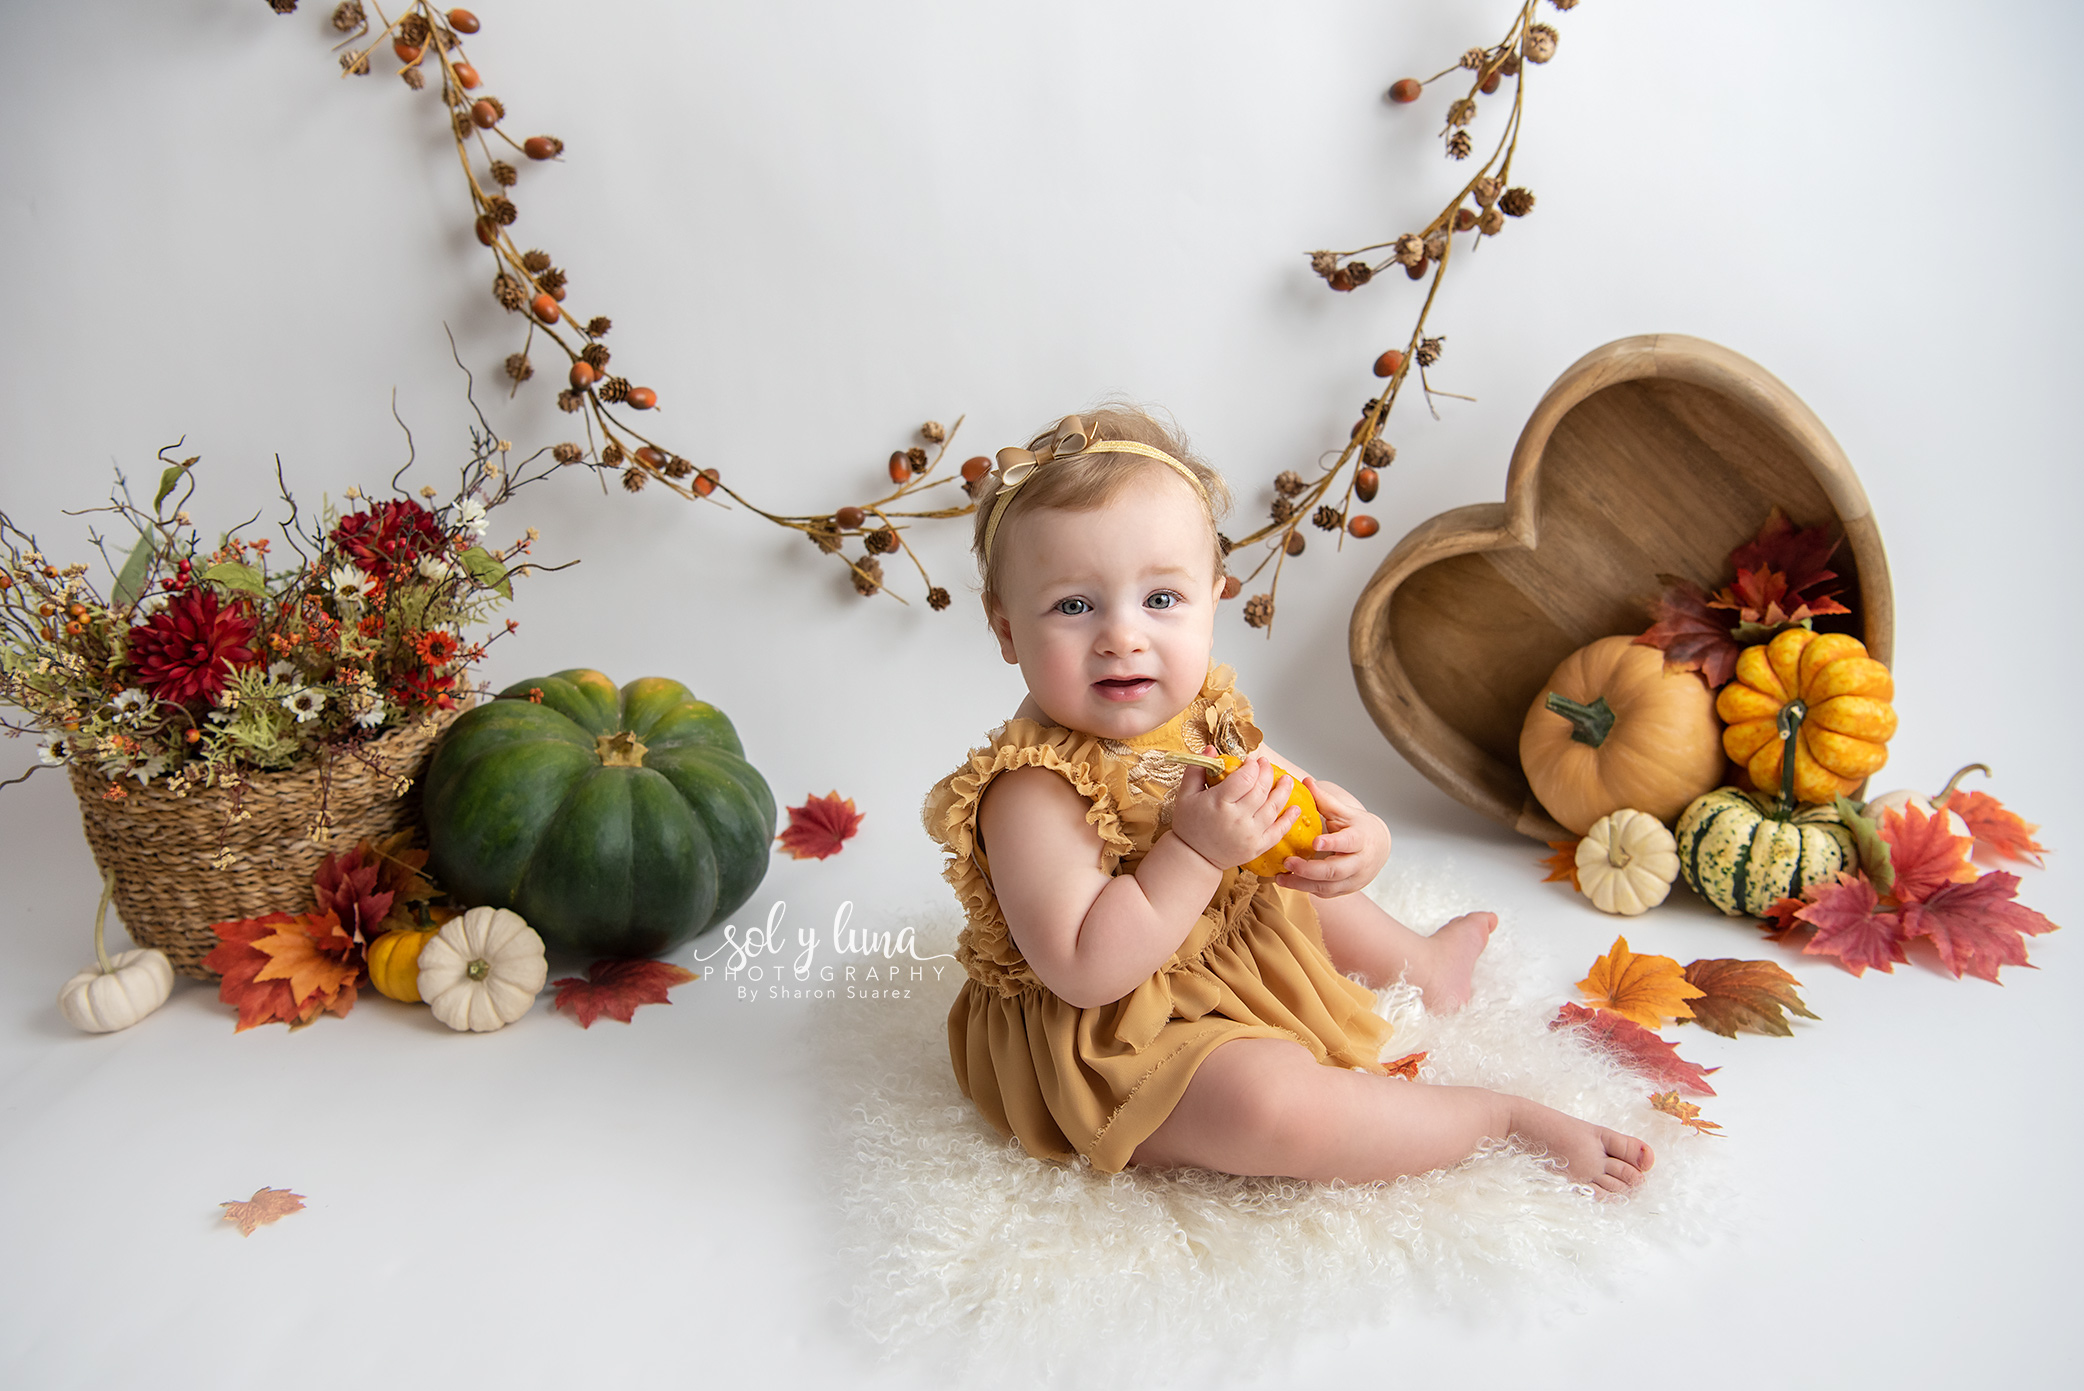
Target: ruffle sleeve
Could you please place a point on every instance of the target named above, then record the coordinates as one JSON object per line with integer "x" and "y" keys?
{"x": 986, "y": 949}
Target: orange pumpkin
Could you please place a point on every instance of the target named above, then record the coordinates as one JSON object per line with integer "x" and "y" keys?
{"x": 1614, "y": 729}
{"x": 1846, "y": 718}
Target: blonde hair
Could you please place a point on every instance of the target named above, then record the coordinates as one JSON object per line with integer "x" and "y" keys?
{"x": 1087, "y": 482}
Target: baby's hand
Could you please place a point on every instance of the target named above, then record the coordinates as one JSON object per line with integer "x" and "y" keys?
{"x": 1240, "y": 817}
{"x": 1355, "y": 846}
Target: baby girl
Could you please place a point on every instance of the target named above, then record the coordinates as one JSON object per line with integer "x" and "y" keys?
{"x": 1133, "y": 994}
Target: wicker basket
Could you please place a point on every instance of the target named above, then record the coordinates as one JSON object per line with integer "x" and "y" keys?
{"x": 160, "y": 847}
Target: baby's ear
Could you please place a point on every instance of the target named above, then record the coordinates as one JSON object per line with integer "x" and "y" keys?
{"x": 1001, "y": 628}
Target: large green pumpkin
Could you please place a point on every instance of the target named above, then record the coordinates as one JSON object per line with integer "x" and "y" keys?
{"x": 618, "y": 823}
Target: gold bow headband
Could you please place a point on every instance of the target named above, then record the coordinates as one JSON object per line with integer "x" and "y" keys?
{"x": 1072, "y": 436}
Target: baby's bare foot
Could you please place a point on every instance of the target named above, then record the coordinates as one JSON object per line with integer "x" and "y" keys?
{"x": 1450, "y": 959}
{"x": 1588, "y": 1153}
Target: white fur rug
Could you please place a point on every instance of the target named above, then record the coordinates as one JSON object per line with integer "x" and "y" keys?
{"x": 961, "y": 1247}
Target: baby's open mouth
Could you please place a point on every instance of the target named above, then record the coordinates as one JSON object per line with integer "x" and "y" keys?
{"x": 1125, "y": 685}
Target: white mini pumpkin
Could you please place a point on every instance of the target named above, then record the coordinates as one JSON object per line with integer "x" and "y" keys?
{"x": 1626, "y": 862}
{"x": 115, "y": 992}
{"x": 483, "y": 970}
{"x": 1902, "y": 797}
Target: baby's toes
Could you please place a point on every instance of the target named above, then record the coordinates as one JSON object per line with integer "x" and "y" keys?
{"x": 1629, "y": 1150}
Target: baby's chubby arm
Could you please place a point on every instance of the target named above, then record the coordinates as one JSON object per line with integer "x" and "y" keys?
{"x": 1092, "y": 937}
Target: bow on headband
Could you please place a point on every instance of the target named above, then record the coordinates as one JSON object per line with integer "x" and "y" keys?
{"x": 1071, "y": 436}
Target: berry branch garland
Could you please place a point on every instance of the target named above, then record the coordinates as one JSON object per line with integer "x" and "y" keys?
{"x": 1478, "y": 210}
{"x": 426, "y": 41}
{"x": 531, "y": 284}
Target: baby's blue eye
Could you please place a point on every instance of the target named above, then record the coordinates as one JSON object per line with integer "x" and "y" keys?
{"x": 1066, "y": 607}
{"x": 1163, "y": 599}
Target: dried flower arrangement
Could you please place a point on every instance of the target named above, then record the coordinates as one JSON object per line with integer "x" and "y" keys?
{"x": 204, "y": 663}
{"x": 1478, "y": 209}
{"x": 426, "y": 41}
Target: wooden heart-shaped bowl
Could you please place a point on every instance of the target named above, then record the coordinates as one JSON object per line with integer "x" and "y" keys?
{"x": 1658, "y": 454}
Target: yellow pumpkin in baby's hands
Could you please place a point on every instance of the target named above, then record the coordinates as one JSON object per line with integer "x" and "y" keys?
{"x": 1301, "y": 838}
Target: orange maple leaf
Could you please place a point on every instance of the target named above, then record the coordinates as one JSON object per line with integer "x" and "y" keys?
{"x": 1926, "y": 855}
{"x": 1995, "y": 827}
{"x": 294, "y": 956}
{"x": 261, "y": 984}
{"x": 1406, "y": 1066}
{"x": 1744, "y": 995}
{"x": 818, "y": 827}
{"x": 1684, "y": 1112}
{"x": 265, "y": 1206}
{"x": 1646, "y": 989}
{"x": 1562, "y": 866}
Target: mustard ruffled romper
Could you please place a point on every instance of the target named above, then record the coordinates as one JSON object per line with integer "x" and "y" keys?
{"x": 1099, "y": 1081}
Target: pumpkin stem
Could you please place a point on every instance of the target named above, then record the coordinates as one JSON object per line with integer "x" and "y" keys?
{"x": 101, "y": 916}
{"x": 1955, "y": 781}
{"x": 619, "y": 750}
{"x": 1589, "y": 724}
{"x": 1789, "y": 721}
{"x": 478, "y": 969}
{"x": 1199, "y": 760}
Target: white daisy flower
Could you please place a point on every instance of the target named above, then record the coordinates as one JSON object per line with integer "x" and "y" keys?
{"x": 433, "y": 567}
{"x": 131, "y": 704}
{"x": 373, "y": 716}
{"x": 56, "y": 750}
{"x": 470, "y": 516}
{"x": 150, "y": 769}
{"x": 282, "y": 673}
{"x": 305, "y": 704}
{"x": 351, "y": 584}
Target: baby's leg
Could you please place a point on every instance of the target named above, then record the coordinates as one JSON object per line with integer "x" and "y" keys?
{"x": 1265, "y": 1106}
{"x": 1367, "y": 942}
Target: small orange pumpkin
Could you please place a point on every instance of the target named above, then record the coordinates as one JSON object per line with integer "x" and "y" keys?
{"x": 1846, "y": 718}
{"x": 1614, "y": 729}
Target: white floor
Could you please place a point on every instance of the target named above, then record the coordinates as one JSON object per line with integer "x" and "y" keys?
{"x": 816, "y": 224}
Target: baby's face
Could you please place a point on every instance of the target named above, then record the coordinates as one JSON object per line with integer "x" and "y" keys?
{"x": 1111, "y": 614}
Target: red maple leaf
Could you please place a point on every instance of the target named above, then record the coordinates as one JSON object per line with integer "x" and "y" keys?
{"x": 350, "y": 886}
{"x": 1977, "y": 927}
{"x": 1783, "y": 921}
{"x": 1852, "y": 926}
{"x": 1691, "y": 635}
{"x": 1764, "y": 597}
{"x": 819, "y": 827}
{"x": 1798, "y": 554}
{"x": 1636, "y": 1048}
{"x": 1927, "y": 856}
{"x": 1994, "y": 826}
{"x": 617, "y": 988}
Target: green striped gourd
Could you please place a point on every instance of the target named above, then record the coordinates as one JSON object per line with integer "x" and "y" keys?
{"x": 1744, "y": 851}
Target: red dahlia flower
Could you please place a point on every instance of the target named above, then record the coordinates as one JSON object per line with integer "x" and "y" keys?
{"x": 394, "y": 533}
{"x": 185, "y": 651}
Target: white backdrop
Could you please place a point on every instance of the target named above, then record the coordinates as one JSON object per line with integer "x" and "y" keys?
{"x": 815, "y": 225}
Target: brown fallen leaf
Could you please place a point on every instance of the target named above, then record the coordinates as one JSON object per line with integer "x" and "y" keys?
{"x": 1562, "y": 866}
{"x": 1406, "y": 1066}
{"x": 1744, "y": 995}
{"x": 1647, "y": 989}
{"x": 1684, "y": 1112}
{"x": 265, "y": 1206}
